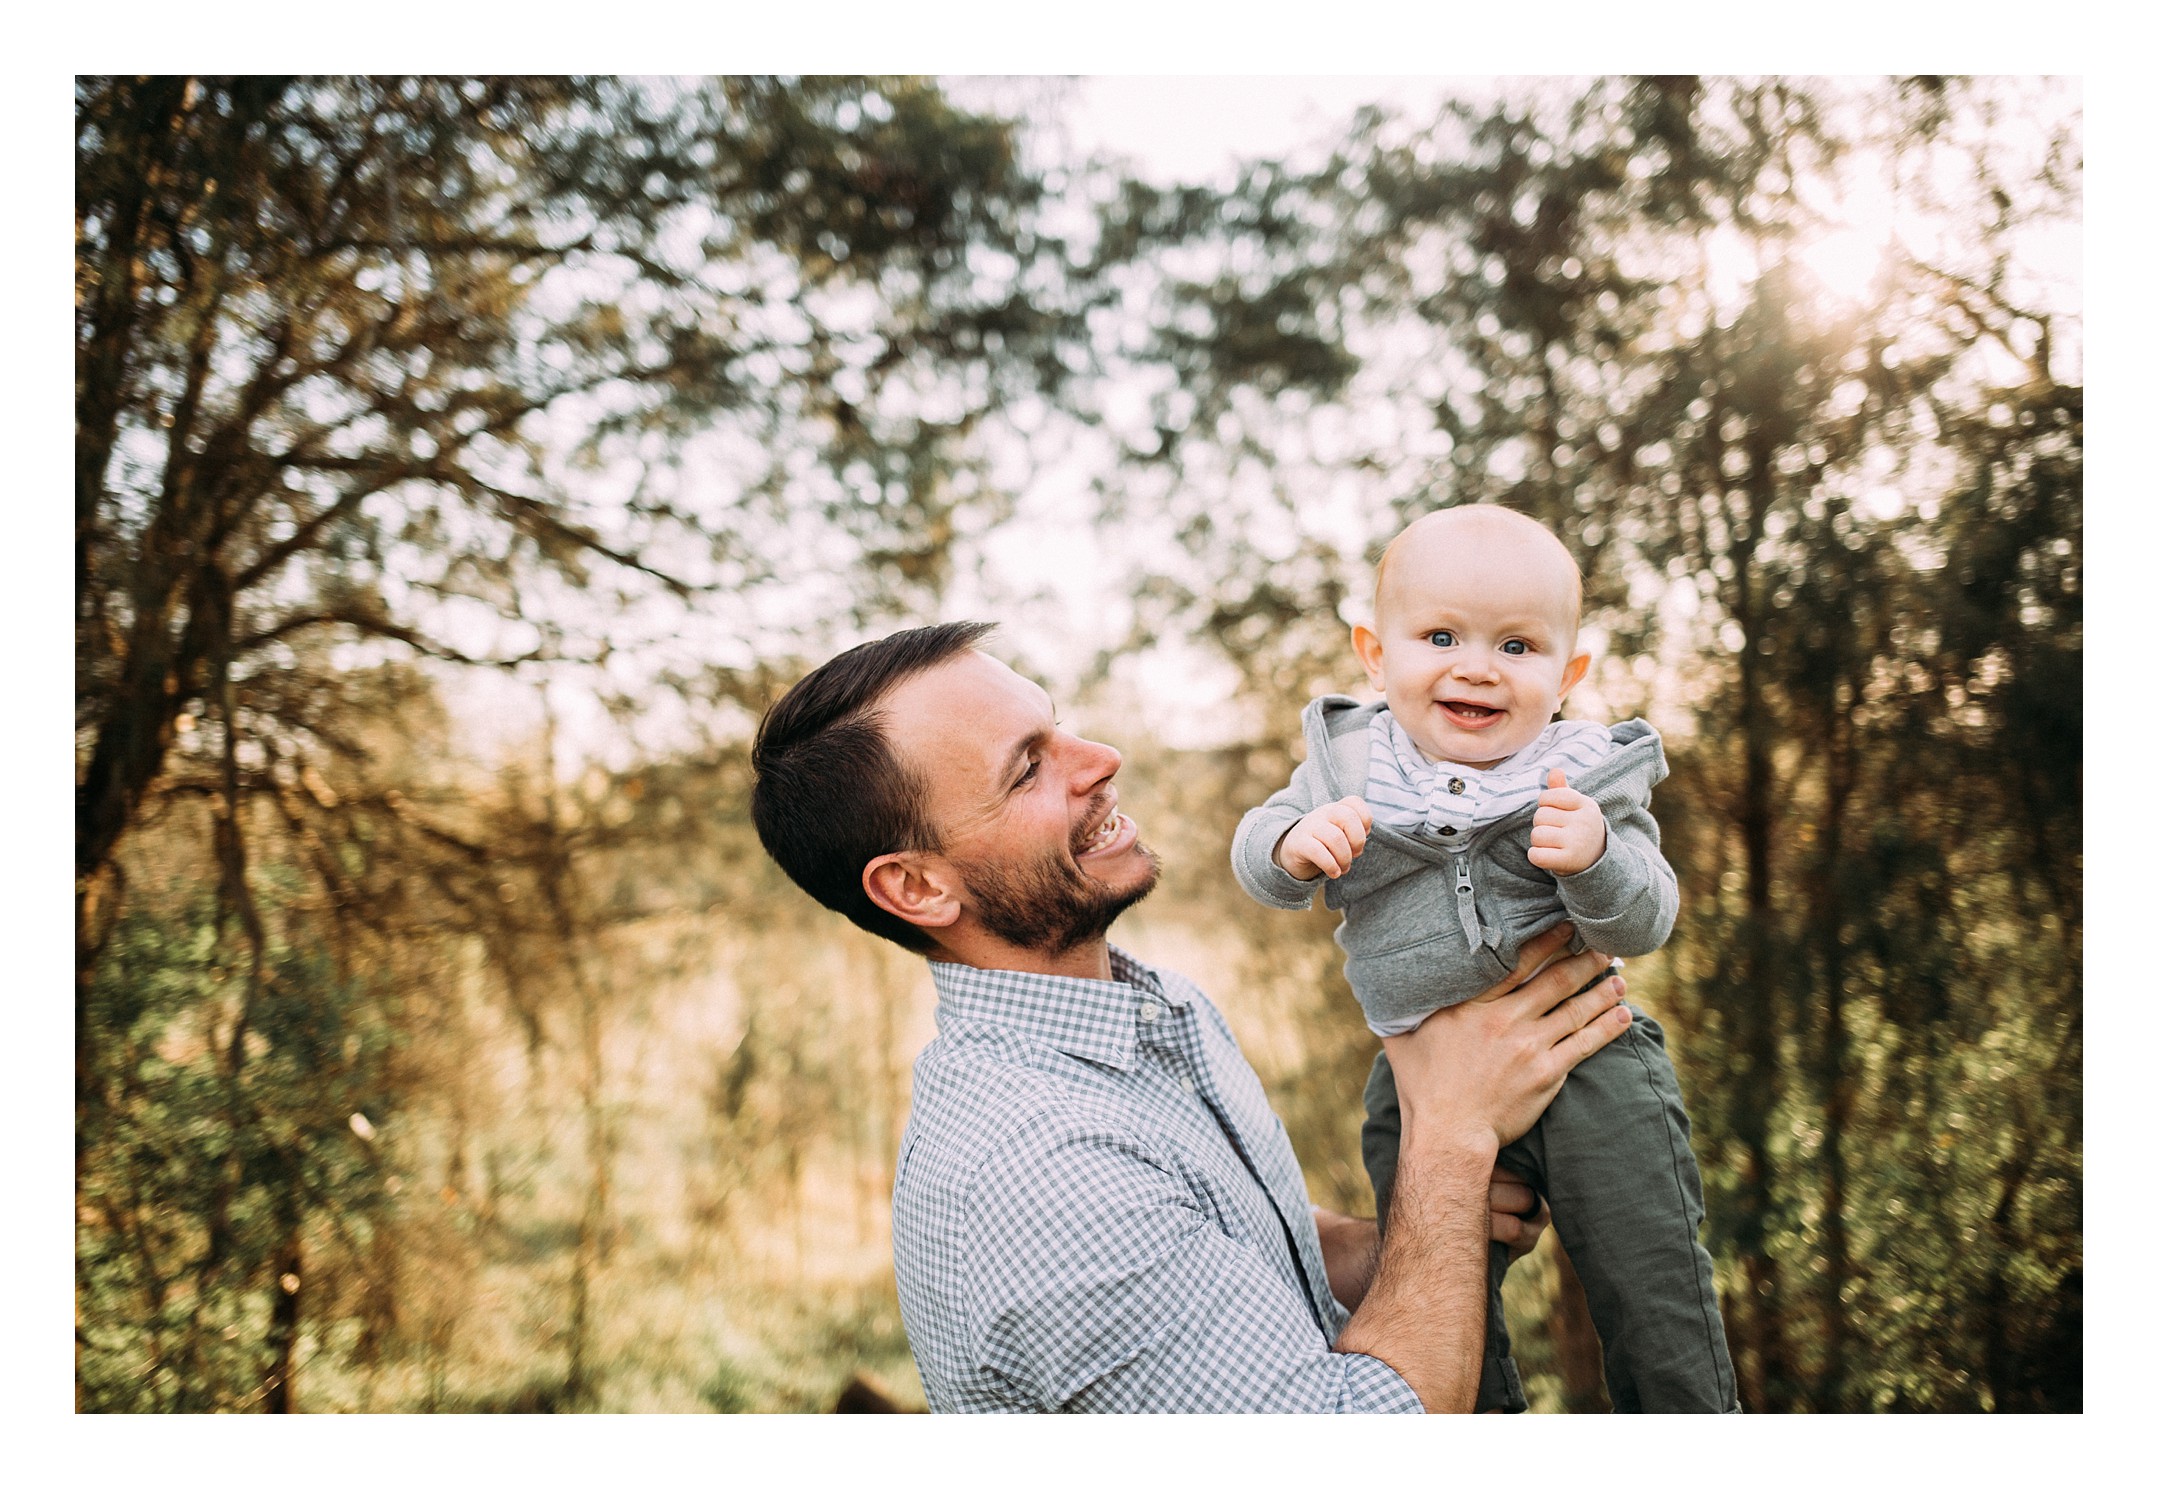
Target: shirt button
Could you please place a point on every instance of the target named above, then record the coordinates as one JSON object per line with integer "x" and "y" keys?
{"x": 1457, "y": 785}
{"x": 1187, "y": 1083}
{"x": 1446, "y": 832}
{"x": 1148, "y": 1012}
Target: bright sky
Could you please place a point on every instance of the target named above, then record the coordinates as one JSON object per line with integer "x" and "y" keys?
{"x": 1194, "y": 128}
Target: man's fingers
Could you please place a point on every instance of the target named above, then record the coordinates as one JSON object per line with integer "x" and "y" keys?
{"x": 1518, "y": 1230}
{"x": 1534, "y": 953}
{"x": 1592, "y": 1001}
{"x": 1546, "y": 944}
{"x": 1554, "y": 984}
{"x": 1513, "y": 1197}
{"x": 1595, "y": 1034}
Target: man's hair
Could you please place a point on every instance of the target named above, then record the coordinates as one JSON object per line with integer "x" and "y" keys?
{"x": 831, "y": 794}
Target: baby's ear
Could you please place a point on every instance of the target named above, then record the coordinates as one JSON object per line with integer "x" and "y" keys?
{"x": 1577, "y": 667}
{"x": 1366, "y": 642}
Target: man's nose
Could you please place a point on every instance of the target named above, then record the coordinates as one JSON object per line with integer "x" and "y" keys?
{"x": 1093, "y": 764}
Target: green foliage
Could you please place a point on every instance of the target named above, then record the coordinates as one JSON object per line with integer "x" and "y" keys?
{"x": 382, "y": 375}
{"x": 222, "y": 1162}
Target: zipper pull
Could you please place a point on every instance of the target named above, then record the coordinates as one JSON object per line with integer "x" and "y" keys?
{"x": 1465, "y": 903}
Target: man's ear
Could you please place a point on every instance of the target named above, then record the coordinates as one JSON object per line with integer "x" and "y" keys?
{"x": 1366, "y": 642}
{"x": 919, "y": 888}
{"x": 1577, "y": 667}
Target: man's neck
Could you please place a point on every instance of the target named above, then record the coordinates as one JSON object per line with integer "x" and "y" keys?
{"x": 1089, "y": 959}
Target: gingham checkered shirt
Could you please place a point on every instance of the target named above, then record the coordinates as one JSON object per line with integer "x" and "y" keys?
{"x": 1097, "y": 1210}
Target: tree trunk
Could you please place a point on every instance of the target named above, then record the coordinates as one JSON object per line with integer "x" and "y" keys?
{"x": 1769, "y": 1383}
{"x": 1835, "y": 1080}
{"x": 284, "y": 1333}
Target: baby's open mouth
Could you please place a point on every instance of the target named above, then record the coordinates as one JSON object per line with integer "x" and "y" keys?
{"x": 1470, "y": 712}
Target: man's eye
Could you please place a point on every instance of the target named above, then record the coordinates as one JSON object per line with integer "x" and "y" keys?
{"x": 1516, "y": 648}
{"x": 1033, "y": 769}
{"x": 1442, "y": 638}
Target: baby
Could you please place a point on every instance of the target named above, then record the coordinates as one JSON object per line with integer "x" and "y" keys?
{"x": 1454, "y": 821}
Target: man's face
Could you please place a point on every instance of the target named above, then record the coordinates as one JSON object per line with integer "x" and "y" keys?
{"x": 1474, "y": 644}
{"x": 1025, "y": 810}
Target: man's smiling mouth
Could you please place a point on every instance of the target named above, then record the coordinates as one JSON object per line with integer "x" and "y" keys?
{"x": 1101, "y": 836}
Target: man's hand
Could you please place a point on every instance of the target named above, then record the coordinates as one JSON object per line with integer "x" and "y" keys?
{"x": 1567, "y": 835}
{"x": 1518, "y": 1213}
{"x": 1326, "y": 839}
{"x": 1484, "y": 1070}
{"x": 1349, "y": 1244}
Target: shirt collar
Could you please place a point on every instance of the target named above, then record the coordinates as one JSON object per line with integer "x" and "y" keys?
{"x": 1084, "y": 1016}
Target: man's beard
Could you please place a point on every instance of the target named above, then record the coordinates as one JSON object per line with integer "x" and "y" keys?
{"x": 1049, "y": 904}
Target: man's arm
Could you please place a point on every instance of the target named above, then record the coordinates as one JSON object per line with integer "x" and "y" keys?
{"x": 1472, "y": 1078}
{"x": 1350, "y": 1243}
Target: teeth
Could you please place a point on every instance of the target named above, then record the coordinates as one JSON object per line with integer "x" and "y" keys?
{"x": 1106, "y": 831}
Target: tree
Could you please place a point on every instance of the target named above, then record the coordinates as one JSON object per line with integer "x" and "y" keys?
{"x": 377, "y": 377}
{"x": 1600, "y": 307}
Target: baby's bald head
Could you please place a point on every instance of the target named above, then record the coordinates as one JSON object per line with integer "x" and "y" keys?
{"x": 1492, "y": 541}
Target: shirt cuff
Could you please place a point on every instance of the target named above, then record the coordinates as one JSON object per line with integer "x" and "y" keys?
{"x": 1370, "y": 1385}
{"x": 1604, "y": 889}
{"x": 1264, "y": 879}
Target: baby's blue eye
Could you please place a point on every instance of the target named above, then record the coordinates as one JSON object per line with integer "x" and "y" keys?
{"x": 1515, "y": 648}
{"x": 1442, "y": 638}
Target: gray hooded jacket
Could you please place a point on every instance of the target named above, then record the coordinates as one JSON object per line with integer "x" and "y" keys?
{"x": 1406, "y": 904}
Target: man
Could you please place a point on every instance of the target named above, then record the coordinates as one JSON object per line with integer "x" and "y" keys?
{"x": 1096, "y": 1209}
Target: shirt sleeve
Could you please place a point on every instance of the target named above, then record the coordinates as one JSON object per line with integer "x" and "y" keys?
{"x": 1096, "y": 1283}
{"x": 1626, "y": 902}
{"x": 1251, "y": 855}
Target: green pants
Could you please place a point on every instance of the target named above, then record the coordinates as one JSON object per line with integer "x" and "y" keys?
{"x": 1611, "y": 1155}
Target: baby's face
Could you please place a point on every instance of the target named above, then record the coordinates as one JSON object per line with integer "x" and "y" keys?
{"x": 1474, "y": 642}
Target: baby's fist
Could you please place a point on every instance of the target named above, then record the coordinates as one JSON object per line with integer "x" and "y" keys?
{"x": 1568, "y": 833}
{"x": 1325, "y": 840}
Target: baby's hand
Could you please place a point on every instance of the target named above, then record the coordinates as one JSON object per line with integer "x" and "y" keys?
{"x": 1325, "y": 840}
{"x": 1568, "y": 834}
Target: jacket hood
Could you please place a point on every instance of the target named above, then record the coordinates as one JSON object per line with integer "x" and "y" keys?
{"x": 1332, "y": 723}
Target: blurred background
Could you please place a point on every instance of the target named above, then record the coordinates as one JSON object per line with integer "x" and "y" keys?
{"x": 462, "y": 465}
